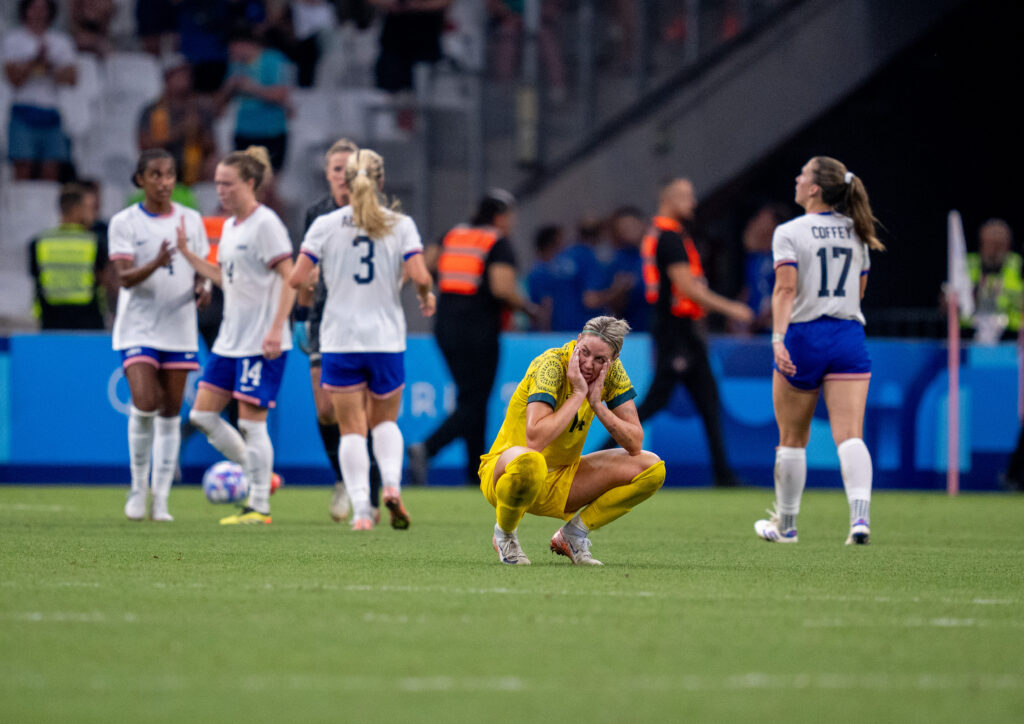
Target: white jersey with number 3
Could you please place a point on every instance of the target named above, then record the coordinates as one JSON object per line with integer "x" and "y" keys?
{"x": 247, "y": 254}
{"x": 160, "y": 311}
{"x": 363, "y": 312}
{"x": 830, "y": 260}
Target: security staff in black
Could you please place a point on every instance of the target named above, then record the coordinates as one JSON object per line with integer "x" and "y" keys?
{"x": 675, "y": 284}
{"x": 477, "y": 281}
{"x": 68, "y": 264}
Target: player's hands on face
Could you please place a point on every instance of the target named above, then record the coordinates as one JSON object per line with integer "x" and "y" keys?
{"x": 576, "y": 378}
{"x": 272, "y": 344}
{"x": 595, "y": 388}
{"x": 782, "y": 360}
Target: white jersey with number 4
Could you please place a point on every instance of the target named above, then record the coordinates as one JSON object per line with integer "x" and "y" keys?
{"x": 247, "y": 254}
{"x": 830, "y": 260}
{"x": 159, "y": 312}
{"x": 363, "y": 312}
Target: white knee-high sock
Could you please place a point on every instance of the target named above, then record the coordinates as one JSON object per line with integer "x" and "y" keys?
{"x": 258, "y": 464}
{"x": 355, "y": 468}
{"x": 855, "y": 464}
{"x": 221, "y": 435}
{"x": 140, "y": 446}
{"x": 166, "y": 444}
{"x": 790, "y": 478}
{"x": 389, "y": 449}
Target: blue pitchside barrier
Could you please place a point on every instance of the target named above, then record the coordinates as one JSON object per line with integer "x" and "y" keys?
{"x": 64, "y": 401}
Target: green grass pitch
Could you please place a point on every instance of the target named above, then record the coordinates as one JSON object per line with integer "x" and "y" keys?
{"x": 691, "y": 619}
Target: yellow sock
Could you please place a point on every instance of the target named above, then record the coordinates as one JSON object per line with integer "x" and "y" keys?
{"x": 518, "y": 487}
{"x": 619, "y": 501}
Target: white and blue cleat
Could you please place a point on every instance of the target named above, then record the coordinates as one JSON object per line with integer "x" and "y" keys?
{"x": 860, "y": 533}
{"x": 769, "y": 530}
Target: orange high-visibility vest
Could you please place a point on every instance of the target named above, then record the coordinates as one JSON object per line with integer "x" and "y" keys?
{"x": 681, "y": 306}
{"x": 214, "y": 226}
{"x": 463, "y": 256}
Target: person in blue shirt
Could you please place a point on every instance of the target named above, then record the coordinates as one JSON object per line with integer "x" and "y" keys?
{"x": 260, "y": 78}
{"x": 582, "y": 279}
{"x": 628, "y": 225}
{"x": 542, "y": 283}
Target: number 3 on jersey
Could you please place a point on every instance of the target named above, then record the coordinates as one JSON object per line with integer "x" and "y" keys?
{"x": 365, "y": 275}
{"x": 837, "y": 251}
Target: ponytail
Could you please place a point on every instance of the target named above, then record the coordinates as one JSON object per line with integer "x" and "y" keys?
{"x": 364, "y": 174}
{"x": 844, "y": 191}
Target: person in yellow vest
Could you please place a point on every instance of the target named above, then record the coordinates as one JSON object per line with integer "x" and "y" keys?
{"x": 477, "y": 281}
{"x": 995, "y": 273}
{"x": 69, "y": 266}
{"x": 536, "y": 463}
{"x": 675, "y": 284}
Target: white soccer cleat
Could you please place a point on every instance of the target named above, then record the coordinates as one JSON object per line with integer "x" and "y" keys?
{"x": 575, "y": 549}
{"x": 770, "y": 531}
{"x": 160, "y": 513}
{"x": 135, "y": 506}
{"x": 860, "y": 534}
{"x": 340, "y": 506}
{"x": 509, "y": 551}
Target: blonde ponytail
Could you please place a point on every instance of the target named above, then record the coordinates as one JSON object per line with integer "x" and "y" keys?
{"x": 849, "y": 197}
{"x": 364, "y": 174}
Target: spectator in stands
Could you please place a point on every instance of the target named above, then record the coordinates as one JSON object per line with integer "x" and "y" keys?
{"x": 507, "y": 26}
{"x": 758, "y": 267}
{"x": 91, "y": 192}
{"x": 260, "y": 79}
{"x": 584, "y": 278}
{"x": 626, "y": 294}
{"x": 69, "y": 265}
{"x": 995, "y": 273}
{"x": 542, "y": 283}
{"x": 90, "y": 25}
{"x": 411, "y": 34}
{"x": 203, "y": 27}
{"x": 181, "y": 123}
{"x": 37, "y": 59}
{"x": 156, "y": 24}
{"x": 295, "y": 28}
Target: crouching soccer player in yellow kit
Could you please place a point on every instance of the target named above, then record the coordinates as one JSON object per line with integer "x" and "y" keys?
{"x": 535, "y": 466}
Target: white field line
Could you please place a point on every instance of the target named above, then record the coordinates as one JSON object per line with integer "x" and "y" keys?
{"x": 743, "y": 681}
{"x": 70, "y": 617}
{"x": 938, "y": 622}
{"x": 35, "y": 508}
{"x": 695, "y": 596}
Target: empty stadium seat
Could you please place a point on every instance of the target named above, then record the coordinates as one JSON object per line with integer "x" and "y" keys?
{"x": 26, "y": 208}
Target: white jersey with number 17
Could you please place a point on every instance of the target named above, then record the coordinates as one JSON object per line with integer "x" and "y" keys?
{"x": 830, "y": 260}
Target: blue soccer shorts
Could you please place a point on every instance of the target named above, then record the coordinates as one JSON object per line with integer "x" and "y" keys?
{"x": 382, "y": 372}
{"x": 826, "y": 349}
{"x": 254, "y": 379}
{"x": 161, "y": 359}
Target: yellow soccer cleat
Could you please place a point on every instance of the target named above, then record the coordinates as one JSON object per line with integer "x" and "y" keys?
{"x": 246, "y": 516}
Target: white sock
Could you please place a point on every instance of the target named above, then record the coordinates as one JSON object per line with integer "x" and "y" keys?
{"x": 855, "y": 464}
{"x": 576, "y": 527}
{"x": 258, "y": 463}
{"x": 389, "y": 449}
{"x": 790, "y": 478}
{"x": 140, "y": 447}
{"x": 499, "y": 533}
{"x": 166, "y": 444}
{"x": 355, "y": 469}
{"x": 221, "y": 435}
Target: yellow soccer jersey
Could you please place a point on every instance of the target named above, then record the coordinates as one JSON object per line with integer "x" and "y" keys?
{"x": 547, "y": 381}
